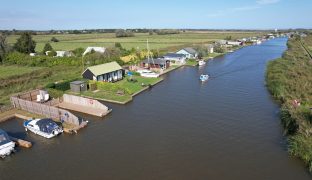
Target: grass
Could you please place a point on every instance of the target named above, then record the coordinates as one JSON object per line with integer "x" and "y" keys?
{"x": 8, "y": 71}
{"x": 72, "y": 41}
{"x": 191, "y": 62}
{"x": 290, "y": 78}
{"x": 34, "y": 79}
{"x": 109, "y": 91}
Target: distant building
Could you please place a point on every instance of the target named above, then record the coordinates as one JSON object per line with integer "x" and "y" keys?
{"x": 96, "y": 49}
{"x": 221, "y": 42}
{"x": 32, "y": 54}
{"x": 234, "y": 43}
{"x": 63, "y": 53}
{"x": 190, "y": 53}
{"x": 175, "y": 58}
{"x": 108, "y": 72}
{"x": 210, "y": 48}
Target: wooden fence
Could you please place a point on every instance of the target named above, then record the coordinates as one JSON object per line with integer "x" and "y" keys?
{"x": 43, "y": 109}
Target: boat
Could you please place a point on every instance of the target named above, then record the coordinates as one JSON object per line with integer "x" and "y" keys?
{"x": 201, "y": 62}
{"x": 204, "y": 77}
{"x": 43, "y": 127}
{"x": 148, "y": 73}
{"x": 6, "y": 145}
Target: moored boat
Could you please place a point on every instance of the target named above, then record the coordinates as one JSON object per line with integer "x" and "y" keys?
{"x": 6, "y": 145}
{"x": 201, "y": 62}
{"x": 43, "y": 127}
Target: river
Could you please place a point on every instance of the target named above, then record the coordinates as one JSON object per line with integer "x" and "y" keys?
{"x": 226, "y": 128}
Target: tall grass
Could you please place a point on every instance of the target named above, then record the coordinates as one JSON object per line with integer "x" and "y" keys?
{"x": 290, "y": 78}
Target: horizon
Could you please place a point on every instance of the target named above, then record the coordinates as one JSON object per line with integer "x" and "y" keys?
{"x": 138, "y": 14}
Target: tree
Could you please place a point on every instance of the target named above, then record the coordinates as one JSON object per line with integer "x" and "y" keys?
{"x": 3, "y": 47}
{"x": 53, "y": 39}
{"x": 47, "y": 47}
{"x": 25, "y": 44}
{"x": 51, "y": 53}
{"x": 78, "y": 52}
{"x": 228, "y": 38}
{"x": 123, "y": 33}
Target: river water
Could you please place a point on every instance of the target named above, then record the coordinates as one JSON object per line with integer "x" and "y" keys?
{"x": 226, "y": 128}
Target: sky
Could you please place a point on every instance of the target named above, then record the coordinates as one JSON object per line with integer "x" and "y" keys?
{"x": 175, "y": 14}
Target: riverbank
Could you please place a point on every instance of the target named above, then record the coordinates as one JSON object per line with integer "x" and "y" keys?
{"x": 289, "y": 79}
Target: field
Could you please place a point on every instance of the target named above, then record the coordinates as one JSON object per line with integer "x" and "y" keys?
{"x": 7, "y": 71}
{"x": 72, "y": 41}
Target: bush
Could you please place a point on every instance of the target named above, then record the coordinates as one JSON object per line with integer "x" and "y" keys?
{"x": 123, "y": 33}
{"x": 53, "y": 39}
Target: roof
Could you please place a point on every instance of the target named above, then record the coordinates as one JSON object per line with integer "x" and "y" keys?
{"x": 155, "y": 61}
{"x": 174, "y": 55}
{"x": 104, "y": 68}
{"x": 77, "y": 82}
{"x": 190, "y": 50}
{"x": 96, "y": 49}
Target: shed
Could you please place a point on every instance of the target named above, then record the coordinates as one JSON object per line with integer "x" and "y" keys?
{"x": 78, "y": 86}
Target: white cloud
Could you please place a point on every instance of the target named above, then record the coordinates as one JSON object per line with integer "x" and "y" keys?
{"x": 265, "y": 2}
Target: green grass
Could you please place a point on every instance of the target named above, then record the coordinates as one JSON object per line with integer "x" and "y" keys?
{"x": 191, "y": 62}
{"x": 35, "y": 79}
{"x": 109, "y": 91}
{"x": 290, "y": 78}
{"x": 72, "y": 41}
{"x": 7, "y": 71}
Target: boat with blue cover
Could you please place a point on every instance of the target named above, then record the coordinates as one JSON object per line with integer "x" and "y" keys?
{"x": 204, "y": 77}
{"x": 43, "y": 127}
{"x": 6, "y": 145}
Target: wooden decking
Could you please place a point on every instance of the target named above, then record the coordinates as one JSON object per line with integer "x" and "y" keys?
{"x": 83, "y": 109}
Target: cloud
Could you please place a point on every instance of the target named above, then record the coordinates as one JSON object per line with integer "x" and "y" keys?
{"x": 265, "y": 2}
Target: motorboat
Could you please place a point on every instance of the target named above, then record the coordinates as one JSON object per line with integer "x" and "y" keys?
{"x": 6, "y": 145}
{"x": 204, "y": 77}
{"x": 201, "y": 63}
{"x": 43, "y": 127}
{"x": 148, "y": 73}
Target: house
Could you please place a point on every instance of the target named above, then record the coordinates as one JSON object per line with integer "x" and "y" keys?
{"x": 96, "y": 49}
{"x": 108, "y": 72}
{"x": 63, "y": 54}
{"x": 175, "y": 58}
{"x": 190, "y": 53}
{"x": 210, "y": 48}
{"x": 159, "y": 63}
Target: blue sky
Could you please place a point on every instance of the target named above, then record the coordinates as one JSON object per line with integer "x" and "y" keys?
{"x": 205, "y": 14}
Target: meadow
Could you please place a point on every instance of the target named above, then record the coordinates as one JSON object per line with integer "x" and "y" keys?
{"x": 73, "y": 41}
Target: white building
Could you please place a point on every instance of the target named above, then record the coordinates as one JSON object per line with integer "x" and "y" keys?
{"x": 63, "y": 54}
{"x": 96, "y": 49}
{"x": 189, "y": 53}
{"x": 175, "y": 58}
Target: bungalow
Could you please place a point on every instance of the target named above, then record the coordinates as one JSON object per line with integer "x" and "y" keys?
{"x": 234, "y": 43}
{"x": 109, "y": 72}
{"x": 190, "y": 53}
{"x": 159, "y": 63}
{"x": 96, "y": 49}
{"x": 175, "y": 58}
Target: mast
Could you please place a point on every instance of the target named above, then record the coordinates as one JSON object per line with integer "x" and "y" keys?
{"x": 148, "y": 53}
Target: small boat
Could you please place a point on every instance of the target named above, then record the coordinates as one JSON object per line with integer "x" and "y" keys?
{"x": 201, "y": 63}
{"x": 6, "y": 145}
{"x": 204, "y": 77}
{"x": 148, "y": 73}
{"x": 43, "y": 127}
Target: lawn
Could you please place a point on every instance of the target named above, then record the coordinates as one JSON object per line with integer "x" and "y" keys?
{"x": 111, "y": 91}
{"x": 72, "y": 41}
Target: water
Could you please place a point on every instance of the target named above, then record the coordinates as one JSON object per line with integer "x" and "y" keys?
{"x": 226, "y": 128}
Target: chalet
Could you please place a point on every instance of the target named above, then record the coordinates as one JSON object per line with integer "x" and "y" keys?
{"x": 175, "y": 58}
{"x": 190, "y": 53}
{"x": 96, "y": 49}
{"x": 109, "y": 72}
{"x": 159, "y": 63}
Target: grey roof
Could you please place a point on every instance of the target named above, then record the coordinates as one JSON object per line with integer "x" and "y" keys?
{"x": 155, "y": 61}
{"x": 174, "y": 55}
{"x": 190, "y": 50}
{"x": 77, "y": 82}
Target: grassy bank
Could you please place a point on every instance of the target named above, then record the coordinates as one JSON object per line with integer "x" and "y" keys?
{"x": 288, "y": 79}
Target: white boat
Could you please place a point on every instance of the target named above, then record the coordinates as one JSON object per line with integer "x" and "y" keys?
{"x": 43, "y": 127}
{"x": 201, "y": 63}
{"x": 204, "y": 77}
{"x": 148, "y": 73}
{"x": 6, "y": 145}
